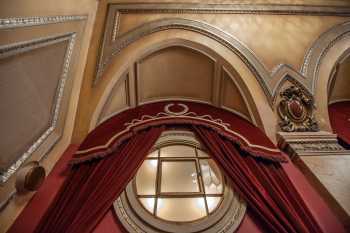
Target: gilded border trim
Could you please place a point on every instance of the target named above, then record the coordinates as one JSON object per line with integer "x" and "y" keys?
{"x": 38, "y": 20}
{"x": 17, "y": 48}
{"x": 272, "y": 9}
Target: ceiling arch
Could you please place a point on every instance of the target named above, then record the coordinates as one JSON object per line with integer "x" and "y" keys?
{"x": 320, "y": 66}
{"x": 177, "y": 69}
{"x": 247, "y": 56}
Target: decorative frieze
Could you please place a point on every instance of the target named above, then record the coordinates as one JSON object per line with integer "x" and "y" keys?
{"x": 38, "y": 20}
{"x": 310, "y": 144}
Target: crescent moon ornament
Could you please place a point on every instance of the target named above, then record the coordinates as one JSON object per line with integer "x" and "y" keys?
{"x": 179, "y": 113}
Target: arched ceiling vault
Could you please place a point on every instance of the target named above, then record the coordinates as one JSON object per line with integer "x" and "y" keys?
{"x": 178, "y": 70}
{"x": 269, "y": 81}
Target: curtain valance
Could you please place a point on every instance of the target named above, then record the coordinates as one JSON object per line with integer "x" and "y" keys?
{"x": 110, "y": 134}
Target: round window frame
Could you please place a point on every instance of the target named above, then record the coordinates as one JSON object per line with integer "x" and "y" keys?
{"x": 135, "y": 218}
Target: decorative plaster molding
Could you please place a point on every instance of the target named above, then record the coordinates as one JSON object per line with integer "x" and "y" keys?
{"x": 113, "y": 43}
{"x": 203, "y": 8}
{"x": 17, "y": 48}
{"x": 296, "y": 111}
{"x": 116, "y": 26}
{"x": 38, "y": 20}
{"x": 314, "y": 57}
{"x": 310, "y": 144}
{"x": 266, "y": 79}
{"x": 225, "y": 39}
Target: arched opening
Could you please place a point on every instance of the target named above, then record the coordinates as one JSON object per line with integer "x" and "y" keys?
{"x": 185, "y": 63}
{"x": 339, "y": 101}
{"x": 321, "y": 65}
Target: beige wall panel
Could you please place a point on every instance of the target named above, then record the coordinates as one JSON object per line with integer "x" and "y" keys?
{"x": 175, "y": 72}
{"x": 64, "y": 127}
{"x": 275, "y": 39}
{"x": 341, "y": 88}
{"x": 333, "y": 172}
{"x": 117, "y": 101}
{"x": 11, "y": 8}
{"x": 27, "y": 91}
{"x": 231, "y": 96}
{"x": 296, "y": 2}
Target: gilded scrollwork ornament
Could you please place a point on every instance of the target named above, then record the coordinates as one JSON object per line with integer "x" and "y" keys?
{"x": 295, "y": 111}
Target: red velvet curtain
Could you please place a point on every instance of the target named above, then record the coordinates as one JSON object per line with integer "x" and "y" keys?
{"x": 93, "y": 186}
{"x": 263, "y": 184}
{"x": 339, "y": 116}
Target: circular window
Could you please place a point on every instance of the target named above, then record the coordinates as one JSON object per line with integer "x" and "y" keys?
{"x": 179, "y": 183}
{"x": 179, "y": 188}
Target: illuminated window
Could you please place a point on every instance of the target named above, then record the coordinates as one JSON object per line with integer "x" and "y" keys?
{"x": 179, "y": 183}
{"x": 179, "y": 187}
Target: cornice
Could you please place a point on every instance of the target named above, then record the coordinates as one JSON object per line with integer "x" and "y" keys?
{"x": 202, "y": 8}
{"x": 38, "y": 20}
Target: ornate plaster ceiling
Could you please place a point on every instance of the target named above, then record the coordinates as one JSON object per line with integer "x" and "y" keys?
{"x": 176, "y": 72}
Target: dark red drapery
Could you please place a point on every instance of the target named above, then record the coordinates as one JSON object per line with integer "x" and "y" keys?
{"x": 263, "y": 184}
{"x": 96, "y": 182}
{"x": 92, "y": 187}
{"x": 339, "y": 116}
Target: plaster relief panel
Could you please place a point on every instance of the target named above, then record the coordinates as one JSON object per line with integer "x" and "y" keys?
{"x": 175, "y": 72}
{"x": 118, "y": 99}
{"x": 231, "y": 96}
{"x": 295, "y": 106}
{"x": 28, "y": 88}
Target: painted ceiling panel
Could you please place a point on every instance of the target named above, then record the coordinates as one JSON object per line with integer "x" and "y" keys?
{"x": 175, "y": 72}
{"x": 34, "y": 77}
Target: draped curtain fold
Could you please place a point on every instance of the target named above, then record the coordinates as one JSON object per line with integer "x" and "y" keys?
{"x": 93, "y": 186}
{"x": 339, "y": 116}
{"x": 263, "y": 184}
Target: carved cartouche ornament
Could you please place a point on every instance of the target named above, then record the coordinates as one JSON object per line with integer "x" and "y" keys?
{"x": 295, "y": 111}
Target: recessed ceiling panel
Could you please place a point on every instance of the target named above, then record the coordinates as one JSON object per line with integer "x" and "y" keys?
{"x": 117, "y": 100}
{"x": 231, "y": 96}
{"x": 175, "y": 72}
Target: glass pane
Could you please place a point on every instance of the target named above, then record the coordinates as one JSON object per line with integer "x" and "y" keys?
{"x": 181, "y": 209}
{"x": 202, "y": 154}
{"x": 179, "y": 176}
{"x": 153, "y": 154}
{"x": 212, "y": 178}
{"x": 148, "y": 203}
{"x": 177, "y": 151}
{"x": 212, "y": 203}
{"x": 146, "y": 177}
